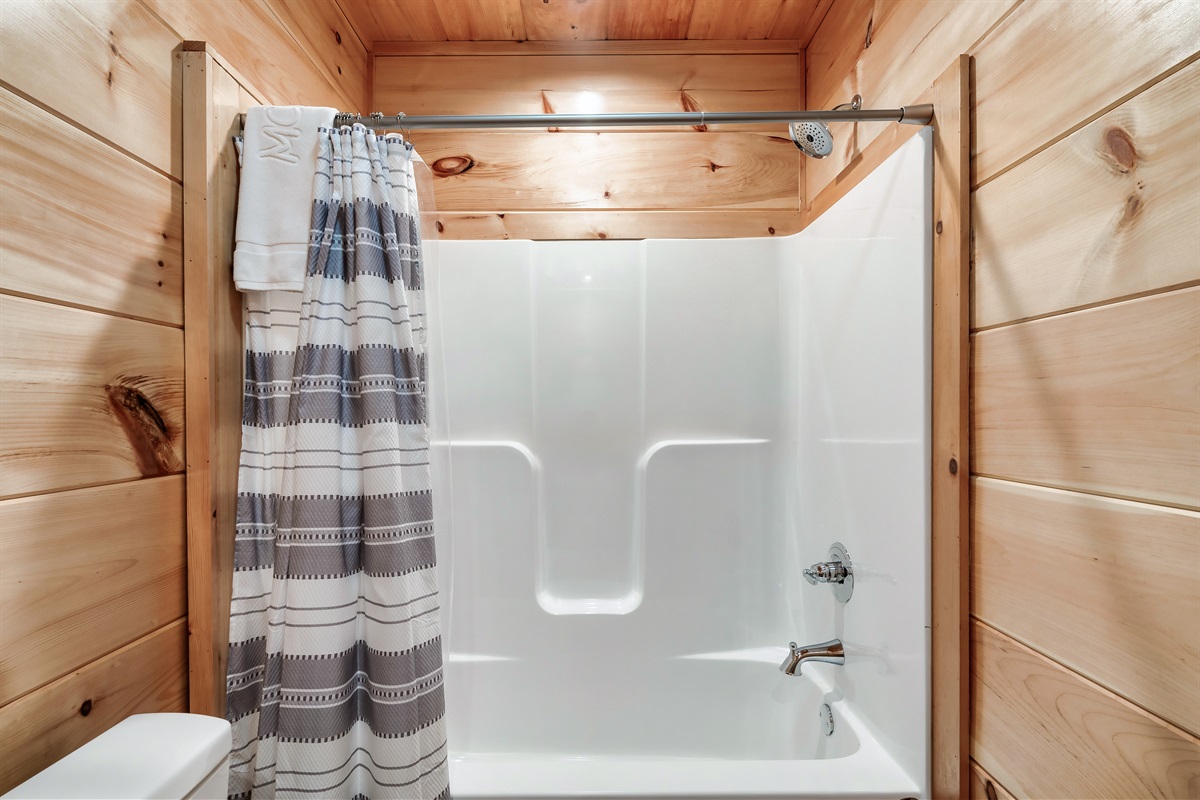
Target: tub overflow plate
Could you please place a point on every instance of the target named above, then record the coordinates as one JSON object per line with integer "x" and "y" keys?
{"x": 826, "y": 719}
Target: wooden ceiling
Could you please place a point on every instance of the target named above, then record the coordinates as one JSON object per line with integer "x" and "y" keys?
{"x": 566, "y": 20}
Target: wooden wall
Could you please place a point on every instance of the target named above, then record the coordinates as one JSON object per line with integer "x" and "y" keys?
{"x": 1086, "y": 357}
{"x": 609, "y": 183}
{"x": 1086, "y": 320}
{"x": 93, "y": 595}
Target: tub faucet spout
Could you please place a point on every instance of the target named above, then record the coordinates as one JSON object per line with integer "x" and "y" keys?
{"x": 830, "y": 652}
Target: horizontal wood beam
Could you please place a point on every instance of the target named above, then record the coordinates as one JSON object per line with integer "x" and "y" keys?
{"x": 549, "y": 225}
{"x": 588, "y": 48}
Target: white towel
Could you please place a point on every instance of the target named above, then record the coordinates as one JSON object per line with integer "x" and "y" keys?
{"x": 279, "y": 160}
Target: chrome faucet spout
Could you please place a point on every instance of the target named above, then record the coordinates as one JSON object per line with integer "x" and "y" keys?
{"x": 831, "y": 652}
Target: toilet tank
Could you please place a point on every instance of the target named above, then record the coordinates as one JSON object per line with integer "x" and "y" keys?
{"x": 173, "y": 756}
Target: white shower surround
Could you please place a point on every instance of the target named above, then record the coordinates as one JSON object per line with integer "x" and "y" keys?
{"x": 649, "y": 441}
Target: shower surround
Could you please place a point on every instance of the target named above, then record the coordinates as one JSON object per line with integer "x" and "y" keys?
{"x": 640, "y": 446}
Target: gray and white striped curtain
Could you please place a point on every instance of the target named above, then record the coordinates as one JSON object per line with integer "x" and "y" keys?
{"x": 335, "y": 665}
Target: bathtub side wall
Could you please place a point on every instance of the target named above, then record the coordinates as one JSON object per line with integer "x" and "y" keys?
{"x": 855, "y": 303}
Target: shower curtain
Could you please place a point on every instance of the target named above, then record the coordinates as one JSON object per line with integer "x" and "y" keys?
{"x": 335, "y": 667}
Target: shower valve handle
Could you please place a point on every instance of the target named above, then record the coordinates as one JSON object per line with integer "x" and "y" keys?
{"x": 838, "y": 572}
{"x": 826, "y": 572}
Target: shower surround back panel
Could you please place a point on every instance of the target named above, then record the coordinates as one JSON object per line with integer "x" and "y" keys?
{"x": 643, "y": 443}
{"x": 613, "y": 365}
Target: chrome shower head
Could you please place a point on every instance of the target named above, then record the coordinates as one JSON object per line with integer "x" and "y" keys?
{"x": 813, "y": 138}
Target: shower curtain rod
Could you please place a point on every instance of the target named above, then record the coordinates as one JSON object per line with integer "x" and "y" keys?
{"x": 909, "y": 115}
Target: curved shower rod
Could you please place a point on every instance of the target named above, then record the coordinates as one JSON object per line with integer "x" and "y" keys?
{"x": 909, "y": 115}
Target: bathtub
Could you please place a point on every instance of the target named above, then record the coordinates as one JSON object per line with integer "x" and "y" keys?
{"x": 637, "y": 449}
{"x": 670, "y": 738}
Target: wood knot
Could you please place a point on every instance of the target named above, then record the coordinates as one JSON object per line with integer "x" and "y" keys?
{"x": 1122, "y": 152}
{"x": 771, "y": 231}
{"x": 337, "y": 37}
{"x": 870, "y": 33}
{"x": 690, "y": 105}
{"x": 86, "y": 708}
{"x": 548, "y": 108}
{"x": 1133, "y": 208}
{"x": 714, "y": 166}
{"x": 452, "y": 165}
{"x": 601, "y": 235}
{"x": 148, "y": 433}
{"x": 440, "y": 227}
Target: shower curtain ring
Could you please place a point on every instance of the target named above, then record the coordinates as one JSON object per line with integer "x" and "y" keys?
{"x": 403, "y": 128}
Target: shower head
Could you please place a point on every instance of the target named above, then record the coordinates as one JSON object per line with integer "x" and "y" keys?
{"x": 814, "y": 138}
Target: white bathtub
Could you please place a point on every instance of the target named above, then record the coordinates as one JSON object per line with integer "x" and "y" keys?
{"x": 658, "y": 730}
{"x": 638, "y": 447}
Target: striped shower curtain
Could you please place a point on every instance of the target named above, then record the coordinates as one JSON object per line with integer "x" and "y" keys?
{"x": 335, "y": 667}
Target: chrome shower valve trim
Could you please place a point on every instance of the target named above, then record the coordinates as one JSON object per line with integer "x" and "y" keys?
{"x": 826, "y": 572}
{"x": 836, "y": 571}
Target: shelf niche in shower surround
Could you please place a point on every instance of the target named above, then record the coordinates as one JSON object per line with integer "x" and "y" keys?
{"x": 588, "y": 396}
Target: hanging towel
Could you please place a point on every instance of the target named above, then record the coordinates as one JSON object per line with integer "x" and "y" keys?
{"x": 274, "y": 216}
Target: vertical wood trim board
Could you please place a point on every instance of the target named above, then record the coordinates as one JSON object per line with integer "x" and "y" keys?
{"x": 199, "y": 366}
{"x": 213, "y": 365}
{"x": 951, "y": 427}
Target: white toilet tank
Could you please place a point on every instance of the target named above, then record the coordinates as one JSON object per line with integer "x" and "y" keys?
{"x": 171, "y": 756}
